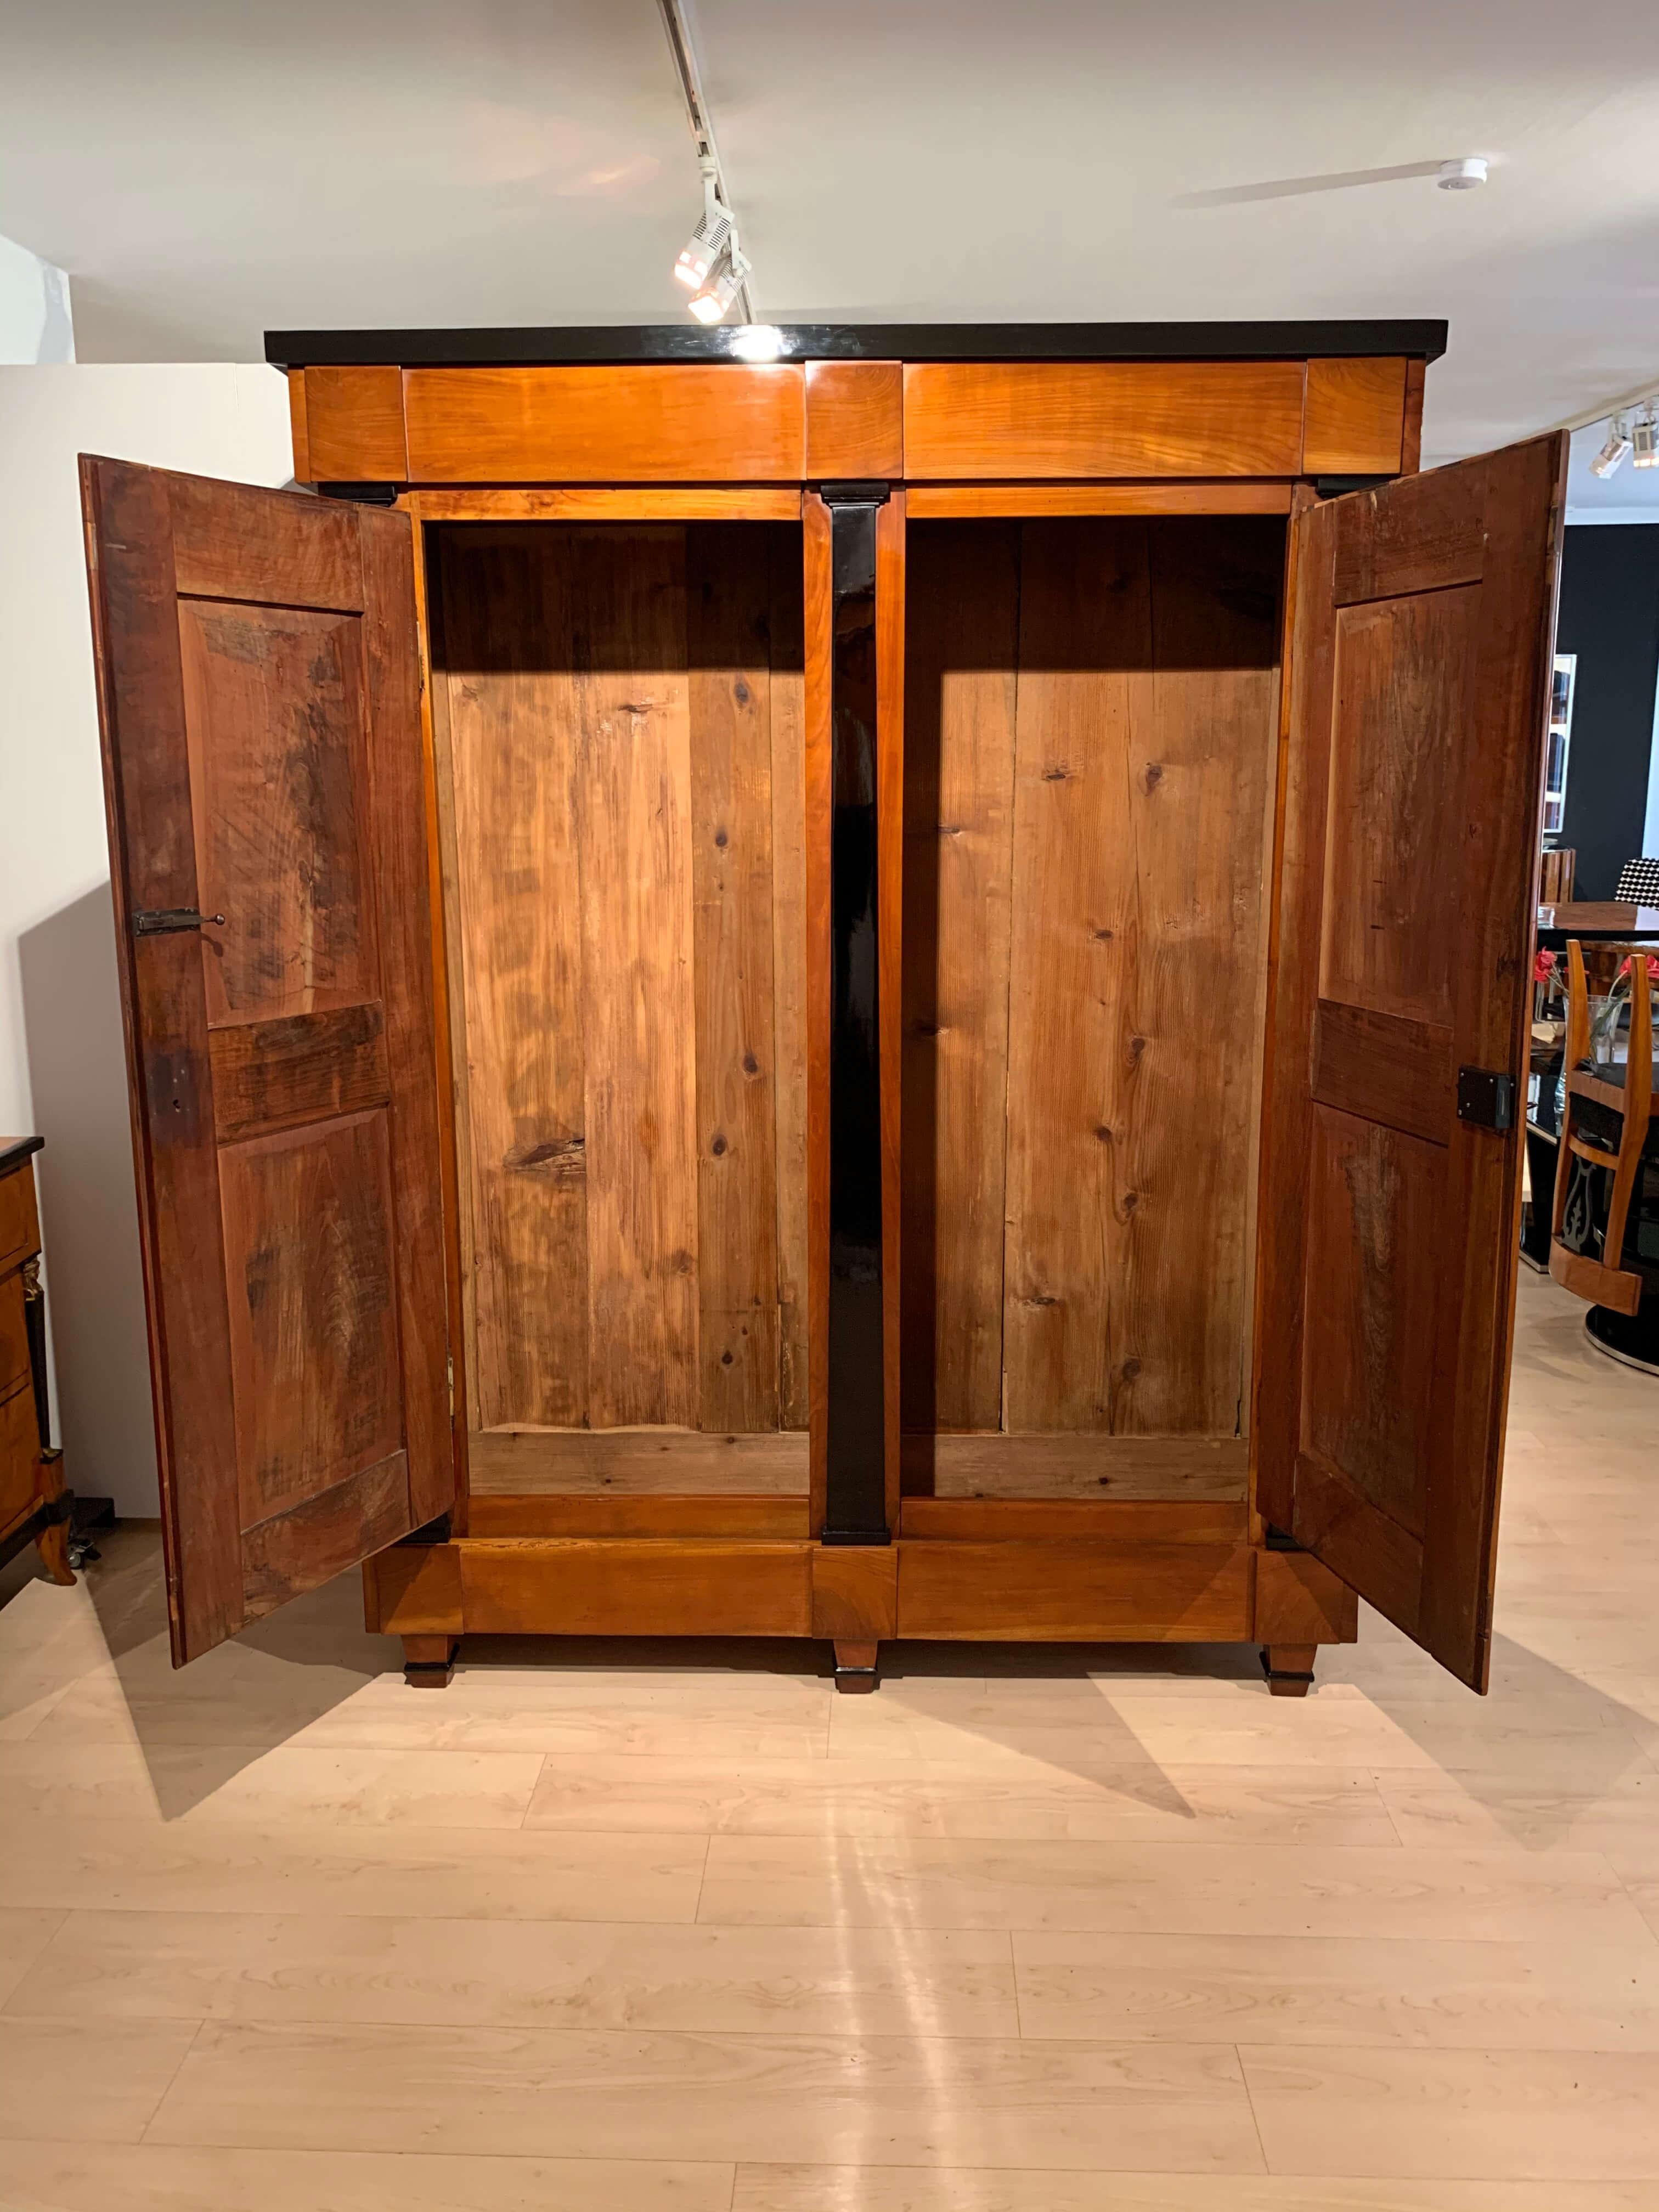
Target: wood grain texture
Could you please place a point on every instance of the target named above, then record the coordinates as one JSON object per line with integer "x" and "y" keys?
{"x": 1390, "y": 939}
{"x": 508, "y": 747}
{"x": 961, "y": 672}
{"x": 1376, "y": 1202}
{"x": 855, "y": 419}
{"x": 327, "y": 1532}
{"x": 932, "y": 502}
{"x": 1102, "y": 419}
{"x": 1355, "y": 417}
{"x": 1133, "y": 1520}
{"x": 263, "y": 549}
{"x": 20, "y": 1217}
{"x": 818, "y": 618}
{"x": 728, "y": 606}
{"x": 295, "y": 381}
{"x": 264, "y": 760}
{"x": 267, "y": 1075}
{"x": 684, "y": 424}
{"x": 606, "y": 503}
{"x": 19, "y": 1453}
{"x": 281, "y": 829}
{"x": 414, "y": 1589}
{"x": 789, "y": 972}
{"x": 653, "y": 1513}
{"x": 1141, "y": 788}
{"x": 1300, "y": 1600}
{"x": 1423, "y": 534}
{"x": 14, "y": 1365}
{"x": 855, "y": 1592}
{"x": 1011, "y": 1590}
{"x": 1387, "y": 1247}
{"x": 437, "y": 814}
{"x": 632, "y": 802}
{"x": 637, "y": 1460}
{"x": 655, "y": 1586}
{"x": 638, "y": 686}
{"x": 314, "y": 1325}
{"x": 355, "y": 426}
{"x": 1057, "y": 1465}
{"x": 1384, "y": 1066}
{"x": 394, "y": 685}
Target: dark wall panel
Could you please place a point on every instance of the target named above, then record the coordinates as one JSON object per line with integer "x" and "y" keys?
{"x": 1610, "y": 619}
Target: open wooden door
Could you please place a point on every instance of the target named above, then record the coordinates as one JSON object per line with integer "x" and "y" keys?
{"x": 259, "y": 688}
{"x": 1395, "y": 1094}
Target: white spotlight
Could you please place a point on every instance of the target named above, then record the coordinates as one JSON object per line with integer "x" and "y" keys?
{"x": 703, "y": 249}
{"x": 1463, "y": 174}
{"x": 1645, "y": 432}
{"x": 1612, "y": 452}
{"x": 711, "y": 300}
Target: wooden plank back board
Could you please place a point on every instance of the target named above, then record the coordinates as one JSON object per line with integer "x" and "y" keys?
{"x": 615, "y": 701}
{"x": 1091, "y": 711}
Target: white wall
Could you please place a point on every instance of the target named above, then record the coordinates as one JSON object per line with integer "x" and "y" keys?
{"x": 62, "y": 1063}
{"x": 34, "y": 307}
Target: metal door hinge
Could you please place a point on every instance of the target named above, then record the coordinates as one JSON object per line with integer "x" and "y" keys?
{"x": 1486, "y": 1099}
{"x": 161, "y": 921}
{"x": 872, "y": 493}
{"x": 363, "y": 495}
{"x": 449, "y": 1365}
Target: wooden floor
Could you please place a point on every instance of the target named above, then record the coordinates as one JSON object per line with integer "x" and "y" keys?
{"x": 675, "y": 1928}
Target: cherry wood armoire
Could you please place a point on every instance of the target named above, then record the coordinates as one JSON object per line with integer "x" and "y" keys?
{"x": 874, "y": 992}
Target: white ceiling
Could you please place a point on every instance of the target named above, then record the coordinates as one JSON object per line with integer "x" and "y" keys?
{"x": 205, "y": 171}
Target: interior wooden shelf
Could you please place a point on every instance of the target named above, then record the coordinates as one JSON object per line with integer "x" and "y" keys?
{"x": 637, "y": 1462}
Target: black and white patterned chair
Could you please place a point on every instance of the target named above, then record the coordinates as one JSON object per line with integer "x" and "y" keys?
{"x": 1638, "y": 881}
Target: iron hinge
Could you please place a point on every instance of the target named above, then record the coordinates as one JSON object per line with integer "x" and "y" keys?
{"x": 1486, "y": 1099}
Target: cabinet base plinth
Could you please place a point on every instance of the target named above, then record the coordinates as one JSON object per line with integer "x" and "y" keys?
{"x": 1152, "y": 1589}
{"x": 429, "y": 1661}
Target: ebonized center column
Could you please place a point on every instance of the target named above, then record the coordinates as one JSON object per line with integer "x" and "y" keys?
{"x": 855, "y": 1503}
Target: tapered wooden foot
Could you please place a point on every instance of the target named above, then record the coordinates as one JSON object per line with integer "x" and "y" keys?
{"x": 855, "y": 1666}
{"x": 52, "y": 1542}
{"x": 1289, "y": 1668}
{"x": 428, "y": 1661}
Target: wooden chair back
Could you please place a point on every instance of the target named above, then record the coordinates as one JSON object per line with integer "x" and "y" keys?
{"x": 1603, "y": 1282}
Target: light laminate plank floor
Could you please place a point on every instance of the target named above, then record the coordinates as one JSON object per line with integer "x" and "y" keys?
{"x": 673, "y": 1929}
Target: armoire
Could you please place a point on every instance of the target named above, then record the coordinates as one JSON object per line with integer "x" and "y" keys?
{"x": 834, "y": 982}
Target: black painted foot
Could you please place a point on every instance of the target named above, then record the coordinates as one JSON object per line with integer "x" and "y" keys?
{"x": 429, "y": 1661}
{"x": 855, "y": 1668}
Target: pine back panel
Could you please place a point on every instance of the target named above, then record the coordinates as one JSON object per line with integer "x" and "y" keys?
{"x": 1090, "y": 718}
{"x": 618, "y": 716}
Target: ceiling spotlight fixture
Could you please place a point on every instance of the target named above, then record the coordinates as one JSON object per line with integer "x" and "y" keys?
{"x": 1614, "y": 450}
{"x": 1644, "y": 439}
{"x": 711, "y": 265}
{"x": 707, "y": 243}
{"x": 710, "y": 301}
{"x": 1463, "y": 174}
